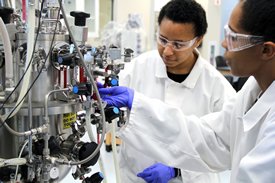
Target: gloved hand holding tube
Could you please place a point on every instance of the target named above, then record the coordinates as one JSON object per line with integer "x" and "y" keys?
{"x": 121, "y": 96}
{"x": 157, "y": 173}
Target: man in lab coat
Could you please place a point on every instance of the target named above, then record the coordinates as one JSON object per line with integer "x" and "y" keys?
{"x": 177, "y": 75}
{"x": 241, "y": 137}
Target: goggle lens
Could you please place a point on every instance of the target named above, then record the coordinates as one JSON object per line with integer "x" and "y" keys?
{"x": 176, "y": 45}
{"x": 238, "y": 42}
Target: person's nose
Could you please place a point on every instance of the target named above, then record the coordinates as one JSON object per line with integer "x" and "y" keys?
{"x": 224, "y": 44}
{"x": 168, "y": 50}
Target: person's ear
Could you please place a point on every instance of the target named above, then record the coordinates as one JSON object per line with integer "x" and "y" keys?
{"x": 268, "y": 51}
{"x": 199, "y": 40}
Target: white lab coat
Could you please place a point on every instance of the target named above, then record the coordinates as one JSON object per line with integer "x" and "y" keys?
{"x": 241, "y": 137}
{"x": 204, "y": 91}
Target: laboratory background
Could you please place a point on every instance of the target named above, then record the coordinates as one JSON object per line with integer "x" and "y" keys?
{"x": 52, "y": 54}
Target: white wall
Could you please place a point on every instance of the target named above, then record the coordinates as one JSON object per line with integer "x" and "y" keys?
{"x": 227, "y": 7}
{"x": 159, "y": 4}
{"x": 214, "y": 13}
{"x": 124, "y": 7}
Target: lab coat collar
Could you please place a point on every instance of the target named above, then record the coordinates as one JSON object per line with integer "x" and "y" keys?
{"x": 193, "y": 77}
{"x": 260, "y": 108}
{"x": 160, "y": 69}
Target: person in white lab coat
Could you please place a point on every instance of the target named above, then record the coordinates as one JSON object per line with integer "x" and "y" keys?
{"x": 178, "y": 76}
{"x": 240, "y": 137}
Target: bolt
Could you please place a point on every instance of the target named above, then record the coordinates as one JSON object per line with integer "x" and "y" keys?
{"x": 20, "y": 48}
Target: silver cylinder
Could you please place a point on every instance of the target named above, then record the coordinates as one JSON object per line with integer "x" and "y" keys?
{"x": 5, "y": 3}
{"x": 45, "y": 82}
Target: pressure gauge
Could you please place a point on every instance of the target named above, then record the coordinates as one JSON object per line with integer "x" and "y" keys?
{"x": 54, "y": 172}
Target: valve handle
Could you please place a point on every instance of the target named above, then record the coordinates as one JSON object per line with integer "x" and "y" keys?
{"x": 80, "y": 17}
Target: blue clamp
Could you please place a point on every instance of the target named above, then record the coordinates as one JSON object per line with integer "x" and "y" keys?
{"x": 93, "y": 50}
{"x": 75, "y": 89}
{"x": 60, "y": 60}
{"x": 101, "y": 175}
{"x": 114, "y": 82}
{"x": 116, "y": 110}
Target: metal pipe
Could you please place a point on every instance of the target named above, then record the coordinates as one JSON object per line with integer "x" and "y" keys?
{"x": 47, "y": 115}
{"x": 23, "y": 134}
{"x": 46, "y": 150}
{"x": 30, "y": 124}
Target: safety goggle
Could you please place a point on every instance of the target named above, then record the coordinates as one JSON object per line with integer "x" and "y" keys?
{"x": 238, "y": 42}
{"x": 176, "y": 45}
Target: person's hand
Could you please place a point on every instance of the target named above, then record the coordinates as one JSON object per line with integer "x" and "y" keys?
{"x": 158, "y": 173}
{"x": 121, "y": 96}
{"x": 99, "y": 86}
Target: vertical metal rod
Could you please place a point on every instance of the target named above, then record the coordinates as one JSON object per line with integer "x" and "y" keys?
{"x": 30, "y": 124}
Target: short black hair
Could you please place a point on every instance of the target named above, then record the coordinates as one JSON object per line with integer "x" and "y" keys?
{"x": 185, "y": 11}
{"x": 258, "y": 18}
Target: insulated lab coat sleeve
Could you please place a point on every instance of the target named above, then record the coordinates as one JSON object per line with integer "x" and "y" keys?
{"x": 165, "y": 134}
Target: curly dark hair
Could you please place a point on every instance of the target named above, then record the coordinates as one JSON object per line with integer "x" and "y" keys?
{"x": 185, "y": 11}
{"x": 258, "y": 18}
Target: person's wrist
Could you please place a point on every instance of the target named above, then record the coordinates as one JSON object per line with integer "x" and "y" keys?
{"x": 131, "y": 98}
{"x": 176, "y": 172}
{"x": 173, "y": 172}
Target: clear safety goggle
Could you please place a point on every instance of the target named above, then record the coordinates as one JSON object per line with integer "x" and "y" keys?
{"x": 238, "y": 42}
{"x": 176, "y": 45}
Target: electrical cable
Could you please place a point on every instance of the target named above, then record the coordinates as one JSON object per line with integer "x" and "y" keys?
{"x": 40, "y": 15}
{"x": 4, "y": 123}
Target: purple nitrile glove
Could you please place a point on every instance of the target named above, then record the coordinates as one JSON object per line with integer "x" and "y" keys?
{"x": 99, "y": 86}
{"x": 121, "y": 96}
{"x": 157, "y": 173}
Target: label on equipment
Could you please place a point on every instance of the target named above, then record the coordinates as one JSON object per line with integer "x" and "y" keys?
{"x": 68, "y": 119}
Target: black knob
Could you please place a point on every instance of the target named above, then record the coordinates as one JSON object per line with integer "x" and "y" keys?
{"x": 113, "y": 46}
{"x": 65, "y": 59}
{"x": 80, "y": 17}
{"x": 83, "y": 88}
{"x": 53, "y": 145}
{"x": 5, "y": 14}
{"x": 111, "y": 113}
{"x": 6, "y": 172}
{"x": 86, "y": 150}
{"x": 112, "y": 80}
{"x": 95, "y": 178}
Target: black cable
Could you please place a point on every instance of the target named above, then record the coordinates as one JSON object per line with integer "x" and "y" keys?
{"x": 38, "y": 73}
{"x": 30, "y": 60}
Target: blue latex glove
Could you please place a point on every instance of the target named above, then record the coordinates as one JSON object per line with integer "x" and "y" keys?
{"x": 121, "y": 96}
{"x": 158, "y": 173}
